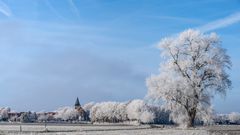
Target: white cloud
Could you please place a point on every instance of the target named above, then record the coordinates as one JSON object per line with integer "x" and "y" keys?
{"x": 4, "y": 9}
{"x": 221, "y": 23}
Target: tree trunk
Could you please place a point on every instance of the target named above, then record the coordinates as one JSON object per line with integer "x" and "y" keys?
{"x": 191, "y": 117}
{"x": 192, "y": 111}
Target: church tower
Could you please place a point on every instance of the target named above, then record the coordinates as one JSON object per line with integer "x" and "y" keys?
{"x": 82, "y": 115}
{"x": 77, "y": 104}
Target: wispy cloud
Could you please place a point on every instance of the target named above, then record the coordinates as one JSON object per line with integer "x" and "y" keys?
{"x": 221, "y": 23}
{"x": 4, "y": 9}
{"x": 174, "y": 18}
{"x": 54, "y": 10}
{"x": 73, "y": 7}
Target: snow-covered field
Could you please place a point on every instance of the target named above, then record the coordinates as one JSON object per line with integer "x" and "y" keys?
{"x": 88, "y": 129}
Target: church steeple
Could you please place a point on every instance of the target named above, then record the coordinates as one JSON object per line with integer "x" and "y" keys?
{"x": 77, "y": 103}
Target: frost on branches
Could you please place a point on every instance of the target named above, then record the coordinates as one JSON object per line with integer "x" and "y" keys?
{"x": 87, "y": 107}
{"x": 234, "y": 117}
{"x": 66, "y": 113}
{"x": 138, "y": 110}
{"x": 135, "y": 110}
{"x": 4, "y": 113}
{"x": 194, "y": 69}
{"x": 107, "y": 112}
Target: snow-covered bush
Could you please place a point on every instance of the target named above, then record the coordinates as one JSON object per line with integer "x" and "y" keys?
{"x": 66, "y": 113}
{"x": 120, "y": 112}
{"x": 28, "y": 117}
{"x": 221, "y": 119}
{"x": 138, "y": 110}
{"x": 108, "y": 112}
{"x": 87, "y": 107}
{"x": 234, "y": 117}
{"x": 231, "y": 118}
{"x": 135, "y": 110}
{"x": 43, "y": 117}
{"x": 4, "y": 113}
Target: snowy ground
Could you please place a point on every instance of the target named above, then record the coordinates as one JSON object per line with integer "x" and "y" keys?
{"x": 88, "y": 129}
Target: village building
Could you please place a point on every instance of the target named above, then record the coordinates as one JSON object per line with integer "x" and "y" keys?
{"x": 82, "y": 115}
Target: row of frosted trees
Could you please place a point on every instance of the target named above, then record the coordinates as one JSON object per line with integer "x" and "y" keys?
{"x": 140, "y": 112}
{"x": 135, "y": 110}
{"x": 113, "y": 112}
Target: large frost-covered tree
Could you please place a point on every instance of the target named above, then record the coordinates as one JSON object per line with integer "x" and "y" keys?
{"x": 193, "y": 70}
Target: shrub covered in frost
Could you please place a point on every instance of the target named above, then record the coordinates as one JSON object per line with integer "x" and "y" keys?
{"x": 140, "y": 111}
{"x": 221, "y": 119}
{"x": 28, "y": 117}
{"x": 4, "y": 113}
{"x": 87, "y": 107}
{"x": 135, "y": 110}
{"x": 108, "y": 112}
{"x": 66, "y": 113}
{"x": 234, "y": 117}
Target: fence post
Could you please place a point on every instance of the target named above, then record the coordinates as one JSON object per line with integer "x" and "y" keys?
{"x": 45, "y": 125}
{"x": 20, "y": 128}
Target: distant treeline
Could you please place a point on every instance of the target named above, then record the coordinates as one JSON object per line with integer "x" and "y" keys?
{"x": 112, "y": 112}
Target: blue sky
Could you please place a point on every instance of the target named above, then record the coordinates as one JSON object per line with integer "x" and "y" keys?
{"x": 52, "y": 51}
